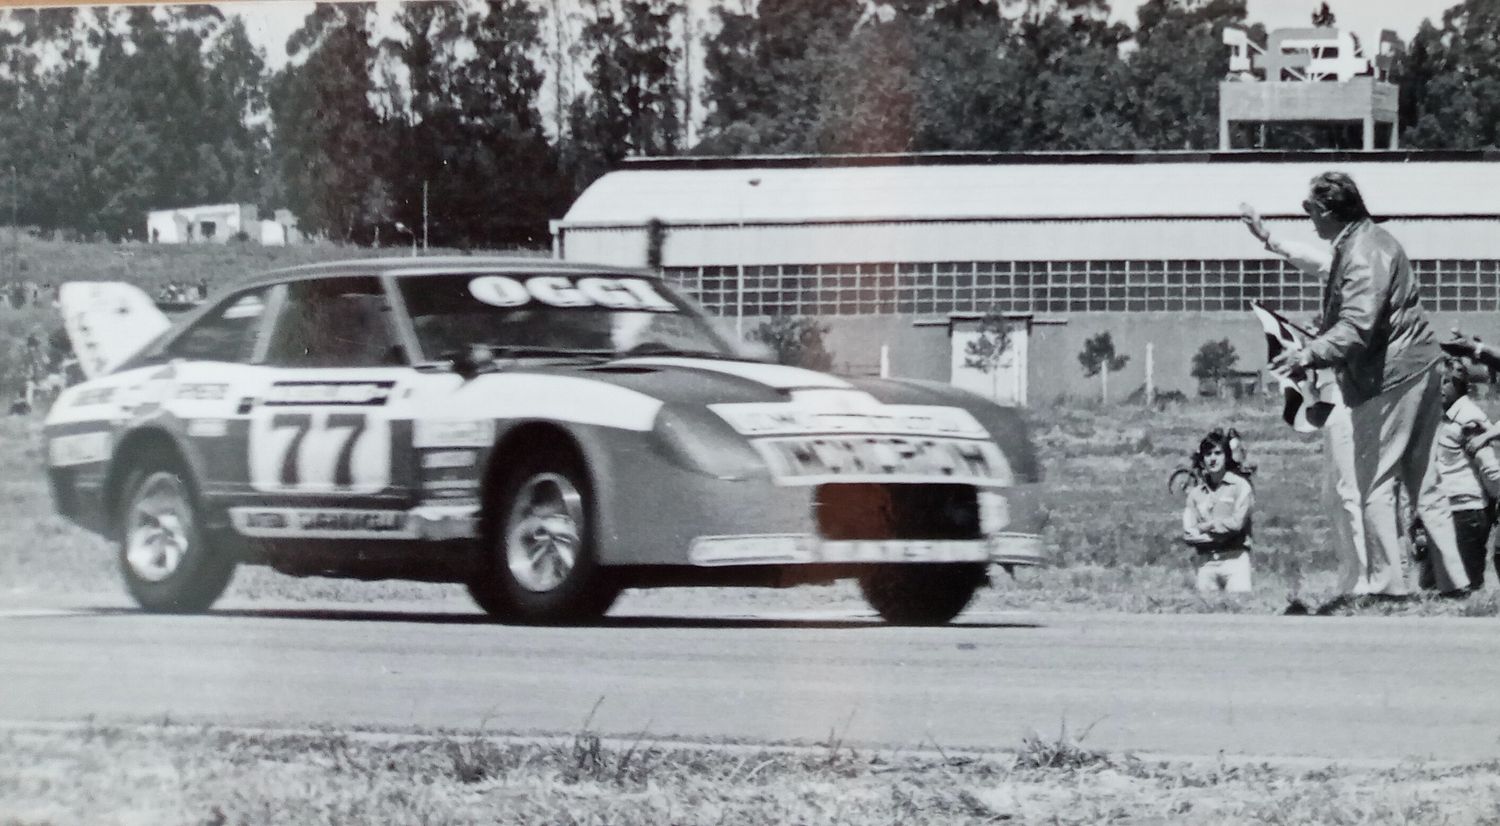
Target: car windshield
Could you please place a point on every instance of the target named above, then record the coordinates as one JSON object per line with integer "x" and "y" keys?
{"x": 555, "y": 314}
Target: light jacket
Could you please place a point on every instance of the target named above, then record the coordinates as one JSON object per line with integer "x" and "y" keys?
{"x": 1373, "y": 328}
{"x": 1222, "y": 513}
{"x": 1469, "y": 482}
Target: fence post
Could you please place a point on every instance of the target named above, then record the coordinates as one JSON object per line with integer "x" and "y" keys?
{"x": 1150, "y": 373}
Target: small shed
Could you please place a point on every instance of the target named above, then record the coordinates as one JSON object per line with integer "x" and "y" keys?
{"x": 212, "y": 224}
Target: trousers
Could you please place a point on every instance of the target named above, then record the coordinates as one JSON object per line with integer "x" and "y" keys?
{"x": 1230, "y": 575}
{"x": 1342, "y": 501}
{"x": 1394, "y": 436}
{"x": 1472, "y": 528}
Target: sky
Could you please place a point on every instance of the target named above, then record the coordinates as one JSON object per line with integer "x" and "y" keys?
{"x": 271, "y": 21}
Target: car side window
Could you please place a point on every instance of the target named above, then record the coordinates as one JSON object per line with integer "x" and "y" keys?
{"x": 227, "y": 333}
{"x": 334, "y": 322}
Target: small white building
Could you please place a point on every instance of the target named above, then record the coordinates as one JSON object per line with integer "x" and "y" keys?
{"x": 219, "y": 224}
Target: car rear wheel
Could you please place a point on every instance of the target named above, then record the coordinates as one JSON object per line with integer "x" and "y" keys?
{"x": 540, "y": 565}
{"x": 921, "y": 594}
{"x": 168, "y": 568}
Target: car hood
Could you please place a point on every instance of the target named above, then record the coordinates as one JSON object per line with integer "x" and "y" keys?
{"x": 698, "y": 386}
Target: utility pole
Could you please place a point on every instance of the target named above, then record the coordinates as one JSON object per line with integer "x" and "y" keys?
{"x": 15, "y": 229}
{"x": 424, "y": 215}
{"x": 739, "y": 285}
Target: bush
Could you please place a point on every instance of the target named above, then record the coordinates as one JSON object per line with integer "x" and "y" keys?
{"x": 796, "y": 341}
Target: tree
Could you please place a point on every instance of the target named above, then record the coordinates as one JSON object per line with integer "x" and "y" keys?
{"x": 1214, "y": 361}
{"x": 504, "y": 142}
{"x": 236, "y": 108}
{"x": 796, "y": 341}
{"x": 1322, "y": 16}
{"x": 987, "y": 349}
{"x": 331, "y": 142}
{"x": 1175, "y": 70}
{"x": 1098, "y": 358}
{"x": 633, "y": 103}
{"x": 1459, "y": 107}
{"x": 765, "y": 73}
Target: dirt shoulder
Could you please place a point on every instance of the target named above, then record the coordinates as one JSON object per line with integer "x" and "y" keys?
{"x": 168, "y": 774}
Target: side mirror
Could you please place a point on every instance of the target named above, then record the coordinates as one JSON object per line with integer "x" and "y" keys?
{"x": 468, "y": 361}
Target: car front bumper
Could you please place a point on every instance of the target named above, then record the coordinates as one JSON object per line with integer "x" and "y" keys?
{"x": 1004, "y": 548}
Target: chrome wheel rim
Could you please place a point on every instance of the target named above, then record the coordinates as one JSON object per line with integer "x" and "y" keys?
{"x": 544, "y": 533}
{"x": 157, "y": 530}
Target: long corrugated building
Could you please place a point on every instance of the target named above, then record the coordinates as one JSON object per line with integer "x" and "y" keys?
{"x": 903, "y": 250}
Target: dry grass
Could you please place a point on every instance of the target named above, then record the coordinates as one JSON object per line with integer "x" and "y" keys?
{"x": 180, "y": 775}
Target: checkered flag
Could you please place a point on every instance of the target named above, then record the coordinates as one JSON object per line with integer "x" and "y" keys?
{"x": 1306, "y": 409}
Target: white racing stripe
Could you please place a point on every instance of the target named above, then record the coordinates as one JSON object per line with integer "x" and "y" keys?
{"x": 778, "y": 376}
{"x": 554, "y": 398}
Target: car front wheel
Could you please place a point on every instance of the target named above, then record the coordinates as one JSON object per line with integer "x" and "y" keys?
{"x": 921, "y": 594}
{"x": 168, "y": 568}
{"x": 540, "y": 565}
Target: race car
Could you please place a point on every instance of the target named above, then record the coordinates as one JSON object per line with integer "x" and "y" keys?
{"x": 545, "y": 433}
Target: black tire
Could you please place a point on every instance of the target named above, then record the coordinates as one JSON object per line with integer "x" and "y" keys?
{"x": 921, "y": 594}
{"x": 168, "y": 566}
{"x": 543, "y": 515}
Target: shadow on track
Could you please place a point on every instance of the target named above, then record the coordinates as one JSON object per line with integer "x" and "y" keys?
{"x": 625, "y": 622}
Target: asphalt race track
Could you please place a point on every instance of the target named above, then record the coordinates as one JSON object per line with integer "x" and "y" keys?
{"x": 1347, "y": 688}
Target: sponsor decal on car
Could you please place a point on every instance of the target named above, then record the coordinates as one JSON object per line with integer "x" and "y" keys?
{"x": 321, "y": 523}
{"x": 208, "y": 428}
{"x": 784, "y": 419}
{"x": 201, "y": 391}
{"x": 564, "y": 291}
{"x": 93, "y": 396}
{"x": 443, "y": 459}
{"x": 817, "y": 460}
{"x": 449, "y": 484}
{"x": 353, "y": 393}
{"x": 78, "y": 449}
{"x": 430, "y": 432}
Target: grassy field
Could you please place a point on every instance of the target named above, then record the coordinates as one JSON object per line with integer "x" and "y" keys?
{"x": 166, "y": 774}
{"x": 1111, "y": 528}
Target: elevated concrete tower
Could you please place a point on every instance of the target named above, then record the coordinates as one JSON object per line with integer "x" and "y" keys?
{"x": 1317, "y": 75}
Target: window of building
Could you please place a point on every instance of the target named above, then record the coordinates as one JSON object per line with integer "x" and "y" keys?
{"x": 1177, "y": 285}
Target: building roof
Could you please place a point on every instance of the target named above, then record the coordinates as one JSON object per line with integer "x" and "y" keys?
{"x": 1066, "y": 186}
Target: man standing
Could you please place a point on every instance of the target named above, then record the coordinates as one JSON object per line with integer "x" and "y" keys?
{"x": 1340, "y": 487}
{"x": 1375, "y": 333}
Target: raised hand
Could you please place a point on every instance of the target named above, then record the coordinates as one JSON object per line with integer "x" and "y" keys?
{"x": 1253, "y": 222}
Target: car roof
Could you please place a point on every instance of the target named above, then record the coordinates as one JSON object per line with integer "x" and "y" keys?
{"x": 434, "y": 265}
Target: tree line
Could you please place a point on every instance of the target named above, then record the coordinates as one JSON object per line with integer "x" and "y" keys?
{"x": 502, "y": 111}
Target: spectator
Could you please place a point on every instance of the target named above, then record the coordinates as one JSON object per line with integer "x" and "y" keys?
{"x": 1375, "y": 333}
{"x": 1340, "y": 487}
{"x": 1471, "y": 481}
{"x": 1216, "y": 518}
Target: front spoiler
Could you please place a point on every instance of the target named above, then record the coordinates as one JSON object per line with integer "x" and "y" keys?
{"x": 1006, "y": 548}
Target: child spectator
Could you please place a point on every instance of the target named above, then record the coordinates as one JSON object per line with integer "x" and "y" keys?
{"x": 1470, "y": 479}
{"x": 1216, "y": 518}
